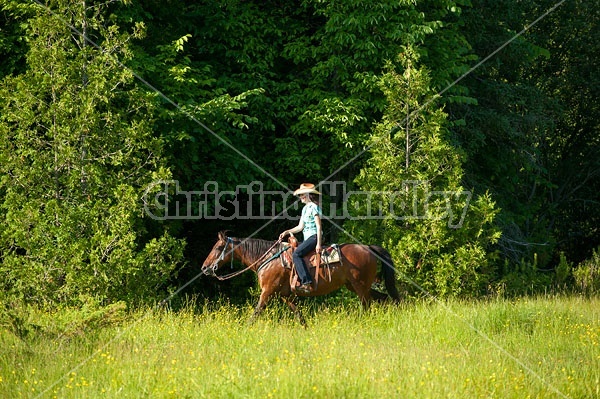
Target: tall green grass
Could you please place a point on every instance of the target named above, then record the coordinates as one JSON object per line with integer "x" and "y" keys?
{"x": 537, "y": 348}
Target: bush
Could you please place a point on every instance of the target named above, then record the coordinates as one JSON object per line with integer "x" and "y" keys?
{"x": 587, "y": 274}
{"x": 563, "y": 270}
{"x": 522, "y": 278}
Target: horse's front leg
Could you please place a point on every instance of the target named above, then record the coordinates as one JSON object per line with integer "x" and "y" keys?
{"x": 265, "y": 295}
{"x": 295, "y": 309}
{"x": 271, "y": 281}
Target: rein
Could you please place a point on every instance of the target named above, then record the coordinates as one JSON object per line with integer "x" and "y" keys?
{"x": 234, "y": 274}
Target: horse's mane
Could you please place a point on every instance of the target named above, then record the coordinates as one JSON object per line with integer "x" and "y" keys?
{"x": 255, "y": 247}
{"x": 252, "y": 247}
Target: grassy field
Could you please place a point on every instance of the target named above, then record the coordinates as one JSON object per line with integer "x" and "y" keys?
{"x": 526, "y": 348}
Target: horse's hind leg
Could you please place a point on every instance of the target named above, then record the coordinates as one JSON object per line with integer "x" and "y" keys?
{"x": 295, "y": 309}
{"x": 363, "y": 293}
{"x": 379, "y": 296}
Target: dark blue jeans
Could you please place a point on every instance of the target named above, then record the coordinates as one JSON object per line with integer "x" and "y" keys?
{"x": 303, "y": 249}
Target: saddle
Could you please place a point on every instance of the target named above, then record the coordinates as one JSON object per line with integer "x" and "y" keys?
{"x": 329, "y": 257}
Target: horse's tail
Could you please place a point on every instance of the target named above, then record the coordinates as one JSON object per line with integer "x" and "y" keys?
{"x": 388, "y": 272}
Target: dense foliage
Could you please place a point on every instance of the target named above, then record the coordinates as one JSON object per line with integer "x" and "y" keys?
{"x": 98, "y": 100}
{"x": 78, "y": 147}
{"x": 440, "y": 234}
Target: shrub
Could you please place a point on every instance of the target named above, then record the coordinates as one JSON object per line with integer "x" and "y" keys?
{"x": 587, "y": 274}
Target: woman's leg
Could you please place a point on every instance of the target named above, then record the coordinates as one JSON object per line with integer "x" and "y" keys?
{"x": 303, "y": 249}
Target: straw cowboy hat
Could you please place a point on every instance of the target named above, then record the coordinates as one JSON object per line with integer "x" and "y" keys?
{"x": 306, "y": 188}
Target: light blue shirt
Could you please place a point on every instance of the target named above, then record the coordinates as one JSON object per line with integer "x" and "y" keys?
{"x": 309, "y": 212}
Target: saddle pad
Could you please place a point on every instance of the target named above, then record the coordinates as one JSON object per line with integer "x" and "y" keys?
{"x": 330, "y": 254}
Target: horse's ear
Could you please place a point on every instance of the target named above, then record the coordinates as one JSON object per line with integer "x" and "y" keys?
{"x": 223, "y": 235}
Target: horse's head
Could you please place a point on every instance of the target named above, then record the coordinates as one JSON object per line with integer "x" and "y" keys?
{"x": 221, "y": 253}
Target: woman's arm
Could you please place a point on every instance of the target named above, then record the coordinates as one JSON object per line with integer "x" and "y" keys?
{"x": 318, "y": 223}
{"x": 293, "y": 230}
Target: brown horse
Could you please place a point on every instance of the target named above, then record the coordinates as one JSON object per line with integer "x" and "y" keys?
{"x": 357, "y": 269}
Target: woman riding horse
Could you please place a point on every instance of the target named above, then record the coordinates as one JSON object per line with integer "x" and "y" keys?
{"x": 310, "y": 226}
{"x": 357, "y": 269}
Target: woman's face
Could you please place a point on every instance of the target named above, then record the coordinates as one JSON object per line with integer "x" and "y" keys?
{"x": 304, "y": 198}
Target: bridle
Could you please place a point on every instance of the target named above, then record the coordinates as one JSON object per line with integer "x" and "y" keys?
{"x": 211, "y": 271}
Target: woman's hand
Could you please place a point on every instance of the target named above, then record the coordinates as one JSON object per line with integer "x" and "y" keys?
{"x": 282, "y": 235}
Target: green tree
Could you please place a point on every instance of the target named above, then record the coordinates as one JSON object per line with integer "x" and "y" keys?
{"x": 438, "y": 233}
{"x": 532, "y": 136}
{"x": 570, "y": 75}
{"x": 314, "y": 62}
{"x": 77, "y": 150}
{"x": 12, "y": 38}
{"x": 504, "y": 131}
